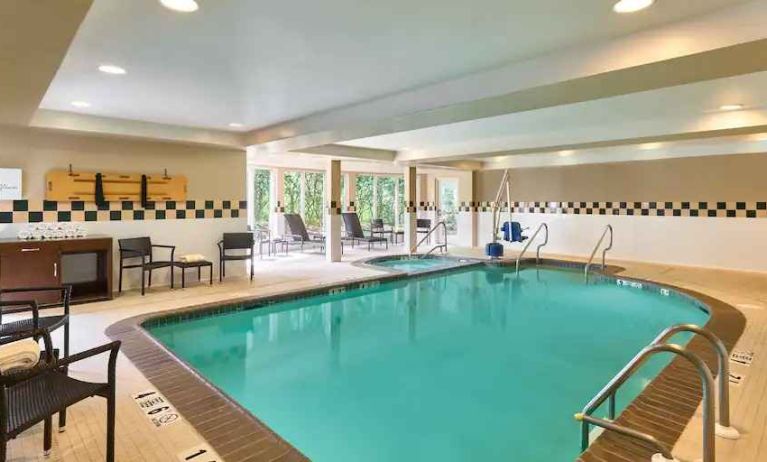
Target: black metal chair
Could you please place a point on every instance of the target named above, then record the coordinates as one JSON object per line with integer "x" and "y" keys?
{"x": 235, "y": 241}
{"x": 355, "y": 233}
{"x": 423, "y": 226}
{"x": 377, "y": 227}
{"x": 34, "y": 395}
{"x": 142, "y": 247}
{"x": 50, "y": 323}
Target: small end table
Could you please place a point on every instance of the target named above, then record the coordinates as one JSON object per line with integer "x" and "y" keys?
{"x": 184, "y": 265}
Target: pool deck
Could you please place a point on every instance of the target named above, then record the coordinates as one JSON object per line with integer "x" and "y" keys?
{"x": 138, "y": 440}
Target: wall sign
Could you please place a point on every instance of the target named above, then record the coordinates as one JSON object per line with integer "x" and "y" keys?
{"x": 10, "y": 184}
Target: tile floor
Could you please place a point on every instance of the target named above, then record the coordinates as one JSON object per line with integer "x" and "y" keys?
{"x": 138, "y": 440}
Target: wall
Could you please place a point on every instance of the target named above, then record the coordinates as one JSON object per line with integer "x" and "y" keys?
{"x": 706, "y": 211}
{"x": 216, "y": 190}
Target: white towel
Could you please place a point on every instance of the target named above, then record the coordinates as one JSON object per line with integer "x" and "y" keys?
{"x": 192, "y": 258}
{"x": 20, "y": 355}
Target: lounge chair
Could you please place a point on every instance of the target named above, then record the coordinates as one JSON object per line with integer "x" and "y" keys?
{"x": 355, "y": 233}
{"x": 298, "y": 233}
{"x": 378, "y": 228}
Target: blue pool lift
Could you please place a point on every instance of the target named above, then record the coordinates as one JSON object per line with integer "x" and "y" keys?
{"x": 512, "y": 230}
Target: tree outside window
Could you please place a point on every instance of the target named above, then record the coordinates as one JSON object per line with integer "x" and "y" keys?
{"x": 385, "y": 199}
{"x": 260, "y": 198}
{"x": 364, "y": 202}
{"x": 292, "y": 192}
{"x": 314, "y": 199}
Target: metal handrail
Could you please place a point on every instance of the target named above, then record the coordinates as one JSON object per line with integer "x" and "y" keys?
{"x": 530, "y": 241}
{"x": 608, "y": 425}
{"x": 596, "y": 247}
{"x": 414, "y": 249}
{"x": 724, "y": 429}
{"x": 611, "y": 388}
{"x": 505, "y": 184}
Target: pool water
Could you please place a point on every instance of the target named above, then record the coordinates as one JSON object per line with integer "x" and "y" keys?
{"x": 474, "y": 364}
{"x": 416, "y": 264}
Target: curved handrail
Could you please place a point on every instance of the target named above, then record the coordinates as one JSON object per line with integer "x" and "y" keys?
{"x": 596, "y": 247}
{"x": 609, "y": 425}
{"x": 724, "y": 371}
{"x": 414, "y": 249}
{"x": 530, "y": 241}
{"x": 612, "y": 386}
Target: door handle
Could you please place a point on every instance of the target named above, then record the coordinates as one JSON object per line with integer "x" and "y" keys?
{"x": 31, "y": 249}
{"x": 55, "y": 270}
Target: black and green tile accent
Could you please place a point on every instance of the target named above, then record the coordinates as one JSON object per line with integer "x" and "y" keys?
{"x": 700, "y": 209}
{"x": 36, "y": 211}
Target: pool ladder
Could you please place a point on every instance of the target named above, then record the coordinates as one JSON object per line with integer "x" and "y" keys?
{"x": 543, "y": 226}
{"x": 608, "y": 230}
{"x": 659, "y": 345}
{"x": 442, "y": 246}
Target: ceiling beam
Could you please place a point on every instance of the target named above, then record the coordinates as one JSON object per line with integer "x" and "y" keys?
{"x": 351, "y": 152}
{"x": 34, "y": 38}
{"x": 107, "y": 126}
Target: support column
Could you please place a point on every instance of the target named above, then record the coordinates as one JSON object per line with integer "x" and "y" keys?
{"x": 411, "y": 237}
{"x": 350, "y": 202}
{"x": 277, "y": 201}
{"x": 333, "y": 200}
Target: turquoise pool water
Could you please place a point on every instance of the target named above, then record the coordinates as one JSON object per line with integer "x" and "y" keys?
{"x": 416, "y": 264}
{"x": 470, "y": 365}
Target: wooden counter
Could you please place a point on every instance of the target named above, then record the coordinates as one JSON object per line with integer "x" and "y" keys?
{"x": 84, "y": 263}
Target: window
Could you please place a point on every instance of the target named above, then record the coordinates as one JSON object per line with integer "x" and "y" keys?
{"x": 292, "y": 192}
{"x": 261, "y": 197}
{"x": 364, "y": 202}
{"x": 385, "y": 199}
{"x": 314, "y": 199}
{"x": 448, "y": 204}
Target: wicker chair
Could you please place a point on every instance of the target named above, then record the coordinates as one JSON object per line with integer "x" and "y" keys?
{"x": 355, "y": 233}
{"x": 236, "y": 241}
{"x": 49, "y": 323}
{"x": 142, "y": 247}
{"x": 33, "y": 396}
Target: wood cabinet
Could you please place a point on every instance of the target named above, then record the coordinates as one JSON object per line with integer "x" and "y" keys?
{"x": 83, "y": 263}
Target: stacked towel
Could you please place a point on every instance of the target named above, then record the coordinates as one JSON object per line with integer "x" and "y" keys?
{"x": 20, "y": 355}
{"x": 192, "y": 258}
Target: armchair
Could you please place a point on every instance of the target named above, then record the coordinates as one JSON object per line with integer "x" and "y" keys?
{"x": 142, "y": 248}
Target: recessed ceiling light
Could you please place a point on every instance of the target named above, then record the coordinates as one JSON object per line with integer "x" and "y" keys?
{"x": 566, "y": 153}
{"x": 631, "y": 6}
{"x": 731, "y": 107}
{"x": 184, "y": 6}
{"x": 81, "y": 104}
{"x": 235, "y": 125}
{"x": 111, "y": 69}
{"x": 650, "y": 146}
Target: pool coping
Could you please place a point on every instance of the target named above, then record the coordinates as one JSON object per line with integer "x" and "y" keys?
{"x": 663, "y": 409}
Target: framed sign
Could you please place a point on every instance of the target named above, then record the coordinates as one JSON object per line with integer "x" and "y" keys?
{"x": 10, "y": 184}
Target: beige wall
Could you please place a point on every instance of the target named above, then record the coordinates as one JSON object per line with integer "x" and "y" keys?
{"x": 716, "y": 178}
{"x": 212, "y": 173}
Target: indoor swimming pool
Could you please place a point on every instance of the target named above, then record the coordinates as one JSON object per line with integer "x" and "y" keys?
{"x": 418, "y": 263}
{"x": 470, "y": 364}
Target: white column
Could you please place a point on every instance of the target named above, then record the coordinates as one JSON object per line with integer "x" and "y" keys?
{"x": 277, "y": 201}
{"x": 351, "y": 192}
{"x": 411, "y": 238}
{"x": 333, "y": 211}
{"x": 397, "y": 204}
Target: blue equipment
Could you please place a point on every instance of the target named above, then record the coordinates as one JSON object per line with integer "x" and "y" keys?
{"x": 494, "y": 250}
{"x": 516, "y": 232}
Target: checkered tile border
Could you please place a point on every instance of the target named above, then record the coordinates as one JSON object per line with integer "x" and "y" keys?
{"x": 704, "y": 209}
{"x": 31, "y": 211}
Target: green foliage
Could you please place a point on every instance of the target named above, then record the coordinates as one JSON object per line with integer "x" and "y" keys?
{"x": 364, "y": 201}
{"x": 448, "y": 196}
{"x": 315, "y": 198}
{"x": 261, "y": 193}
{"x": 292, "y": 192}
{"x": 385, "y": 199}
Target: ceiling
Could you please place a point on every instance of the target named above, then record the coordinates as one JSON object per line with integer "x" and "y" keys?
{"x": 260, "y": 63}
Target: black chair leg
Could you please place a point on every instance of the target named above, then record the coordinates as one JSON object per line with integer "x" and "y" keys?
{"x": 120, "y": 279}
{"x": 111, "y": 425}
{"x": 220, "y": 270}
{"x": 150, "y": 278}
{"x": 47, "y": 436}
{"x": 62, "y": 421}
{"x": 171, "y": 276}
{"x": 143, "y": 275}
{"x": 252, "y": 264}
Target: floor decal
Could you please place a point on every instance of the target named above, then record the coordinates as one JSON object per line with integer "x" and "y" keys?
{"x": 156, "y": 408}
{"x": 200, "y": 453}
{"x": 736, "y": 379}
